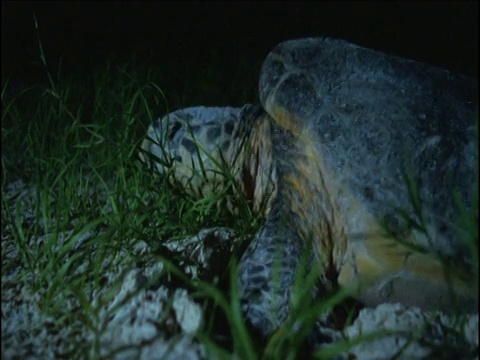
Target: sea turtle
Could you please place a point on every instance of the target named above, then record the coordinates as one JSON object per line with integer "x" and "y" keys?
{"x": 333, "y": 158}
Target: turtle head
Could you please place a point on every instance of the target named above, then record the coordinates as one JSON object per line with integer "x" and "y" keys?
{"x": 207, "y": 148}
{"x": 195, "y": 145}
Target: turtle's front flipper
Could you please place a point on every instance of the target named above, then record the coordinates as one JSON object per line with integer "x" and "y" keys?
{"x": 279, "y": 298}
{"x": 302, "y": 213}
{"x": 267, "y": 273}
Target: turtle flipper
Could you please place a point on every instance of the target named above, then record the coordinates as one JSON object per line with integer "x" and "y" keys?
{"x": 267, "y": 273}
{"x": 271, "y": 267}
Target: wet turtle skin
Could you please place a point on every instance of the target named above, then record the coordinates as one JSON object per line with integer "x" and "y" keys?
{"x": 326, "y": 158}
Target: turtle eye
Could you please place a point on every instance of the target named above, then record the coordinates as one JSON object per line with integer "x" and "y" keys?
{"x": 169, "y": 161}
{"x": 189, "y": 145}
{"x": 173, "y": 130}
{"x": 229, "y": 126}
{"x": 213, "y": 134}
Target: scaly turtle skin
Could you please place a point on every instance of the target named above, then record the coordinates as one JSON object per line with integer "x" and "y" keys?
{"x": 326, "y": 158}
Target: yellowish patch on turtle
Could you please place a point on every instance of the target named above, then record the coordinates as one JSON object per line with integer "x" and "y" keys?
{"x": 310, "y": 193}
{"x": 383, "y": 269}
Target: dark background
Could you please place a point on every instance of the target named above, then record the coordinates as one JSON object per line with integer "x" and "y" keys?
{"x": 84, "y": 34}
